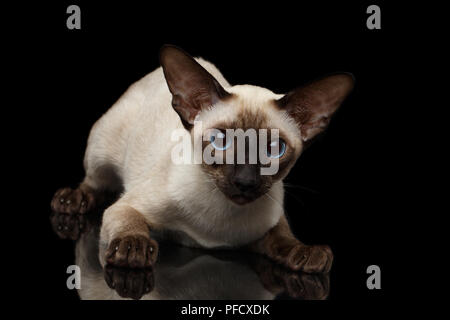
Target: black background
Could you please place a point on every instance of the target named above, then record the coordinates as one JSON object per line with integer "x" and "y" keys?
{"x": 345, "y": 184}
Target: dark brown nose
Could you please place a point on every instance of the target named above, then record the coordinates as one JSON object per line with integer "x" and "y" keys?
{"x": 246, "y": 177}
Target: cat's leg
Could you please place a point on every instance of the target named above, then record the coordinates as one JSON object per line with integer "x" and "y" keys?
{"x": 126, "y": 232}
{"x": 279, "y": 280}
{"x": 70, "y": 206}
{"x": 101, "y": 185}
{"x": 280, "y": 245}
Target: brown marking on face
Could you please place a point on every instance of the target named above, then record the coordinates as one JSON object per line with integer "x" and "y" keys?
{"x": 249, "y": 119}
{"x": 243, "y": 183}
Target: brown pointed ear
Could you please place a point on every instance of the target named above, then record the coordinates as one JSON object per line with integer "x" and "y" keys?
{"x": 193, "y": 88}
{"x": 313, "y": 105}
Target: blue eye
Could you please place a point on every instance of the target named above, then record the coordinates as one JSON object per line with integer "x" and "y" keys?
{"x": 281, "y": 149}
{"x": 219, "y": 141}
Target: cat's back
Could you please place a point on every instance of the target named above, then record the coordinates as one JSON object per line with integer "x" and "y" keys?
{"x": 136, "y": 131}
{"x": 150, "y": 97}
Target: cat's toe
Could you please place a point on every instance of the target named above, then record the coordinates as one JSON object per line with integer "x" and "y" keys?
{"x": 132, "y": 252}
{"x": 69, "y": 207}
{"x": 313, "y": 259}
{"x": 320, "y": 260}
{"x": 129, "y": 283}
{"x": 297, "y": 257}
{"x": 309, "y": 259}
{"x": 68, "y": 226}
{"x": 307, "y": 286}
{"x": 72, "y": 201}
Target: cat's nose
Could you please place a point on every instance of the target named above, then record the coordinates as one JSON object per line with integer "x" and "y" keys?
{"x": 246, "y": 177}
{"x": 245, "y": 185}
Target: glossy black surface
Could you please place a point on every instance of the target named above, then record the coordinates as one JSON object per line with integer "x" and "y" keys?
{"x": 344, "y": 190}
{"x": 190, "y": 274}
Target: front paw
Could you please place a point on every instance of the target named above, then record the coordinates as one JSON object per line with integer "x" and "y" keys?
{"x": 132, "y": 252}
{"x": 306, "y": 286}
{"x": 69, "y": 207}
{"x": 72, "y": 201}
{"x": 129, "y": 283}
{"x": 309, "y": 259}
{"x": 68, "y": 226}
{"x": 296, "y": 285}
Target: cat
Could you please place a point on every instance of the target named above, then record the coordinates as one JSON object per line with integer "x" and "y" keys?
{"x": 130, "y": 152}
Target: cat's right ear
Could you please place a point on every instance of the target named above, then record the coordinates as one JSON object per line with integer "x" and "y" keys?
{"x": 193, "y": 88}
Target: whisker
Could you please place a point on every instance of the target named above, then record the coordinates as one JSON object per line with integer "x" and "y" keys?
{"x": 289, "y": 185}
{"x": 212, "y": 190}
{"x": 295, "y": 198}
{"x": 266, "y": 194}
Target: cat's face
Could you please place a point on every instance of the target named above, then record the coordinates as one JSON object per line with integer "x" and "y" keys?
{"x": 251, "y": 137}
{"x": 250, "y": 116}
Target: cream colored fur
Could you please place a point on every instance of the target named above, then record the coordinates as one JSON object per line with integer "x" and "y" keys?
{"x": 133, "y": 139}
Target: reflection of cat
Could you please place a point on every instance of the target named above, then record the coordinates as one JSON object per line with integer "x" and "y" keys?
{"x": 218, "y": 205}
{"x": 185, "y": 273}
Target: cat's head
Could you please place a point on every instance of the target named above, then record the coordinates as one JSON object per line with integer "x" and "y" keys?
{"x": 275, "y": 127}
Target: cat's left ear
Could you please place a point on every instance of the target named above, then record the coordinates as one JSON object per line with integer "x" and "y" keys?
{"x": 193, "y": 88}
{"x": 313, "y": 105}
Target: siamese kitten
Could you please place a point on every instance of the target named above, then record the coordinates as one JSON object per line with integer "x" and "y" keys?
{"x": 130, "y": 151}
